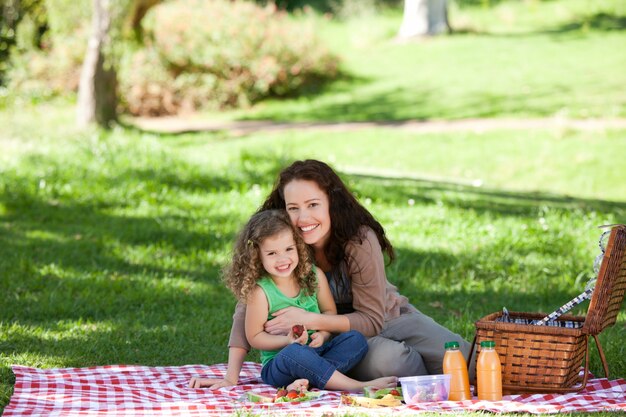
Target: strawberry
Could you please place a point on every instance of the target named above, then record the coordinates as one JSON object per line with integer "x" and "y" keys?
{"x": 281, "y": 392}
{"x": 394, "y": 392}
{"x": 297, "y": 330}
{"x": 292, "y": 394}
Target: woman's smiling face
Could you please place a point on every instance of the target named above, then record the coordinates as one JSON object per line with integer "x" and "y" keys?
{"x": 308, "y": 208}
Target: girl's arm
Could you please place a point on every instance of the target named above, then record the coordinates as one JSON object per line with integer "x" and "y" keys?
{"x": 256, "y": 316}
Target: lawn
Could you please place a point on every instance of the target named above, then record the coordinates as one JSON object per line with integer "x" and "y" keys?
{"x": 111, "y": 242}
{"x": 520, "y": 59}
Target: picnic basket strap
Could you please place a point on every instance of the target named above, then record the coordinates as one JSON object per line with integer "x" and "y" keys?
{"x": 602, "y": 357}
{"x": 611, "y": 284}
{"x": 469, "y": 359}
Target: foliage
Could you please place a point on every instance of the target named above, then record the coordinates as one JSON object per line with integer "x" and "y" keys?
{"x": 48, "y": 40}
{"x": 221, "y": 54}
{"x": 41, "y": 74}
{"x": 32, "y": 13}
{"x": 53, "y": 68}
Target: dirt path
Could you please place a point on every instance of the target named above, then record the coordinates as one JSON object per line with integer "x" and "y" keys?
{"x": 195, "y": 124}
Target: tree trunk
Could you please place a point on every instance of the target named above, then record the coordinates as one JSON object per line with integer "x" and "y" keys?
{"x": 138, "y": 10}
{"x": 424, "y": 17}
{"x": 97, "y": 91}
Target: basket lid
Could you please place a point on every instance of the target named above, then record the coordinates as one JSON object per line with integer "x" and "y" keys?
{"x": 611, "y": 284}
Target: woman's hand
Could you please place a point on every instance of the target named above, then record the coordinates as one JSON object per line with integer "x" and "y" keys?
{"x": 211, "y": 383}
{"x": 285, "y": 318}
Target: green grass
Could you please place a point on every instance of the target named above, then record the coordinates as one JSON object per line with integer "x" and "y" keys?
{"x": 111, "y": 243}
{"x": 519, "y": 59}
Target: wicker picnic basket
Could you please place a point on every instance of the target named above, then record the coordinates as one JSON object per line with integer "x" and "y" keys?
{"x": 549, "y": 358}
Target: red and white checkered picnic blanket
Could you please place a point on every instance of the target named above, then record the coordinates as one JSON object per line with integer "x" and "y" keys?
{"x": 125, "y": 390}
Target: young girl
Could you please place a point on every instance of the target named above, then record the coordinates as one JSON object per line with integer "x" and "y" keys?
{"x": 271, "y": 270}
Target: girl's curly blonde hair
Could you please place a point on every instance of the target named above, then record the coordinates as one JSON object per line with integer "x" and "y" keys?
{"x": 246, "y": 268}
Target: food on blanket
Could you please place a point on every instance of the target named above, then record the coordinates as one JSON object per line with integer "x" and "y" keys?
{"x": 295, "y": 396}
{"x": 387, "y": 400}
{"x": 425, "y": 388}
{"x": 373, "y": 392}
{"x": 258, "y": 398}
{"x": 432, "y": 392}
{"x": 282, "y": 396}
{"x": 297, "y": 330}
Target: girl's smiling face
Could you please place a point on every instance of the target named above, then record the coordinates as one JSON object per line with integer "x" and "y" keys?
{"x": 279, "y": 254}
{"x": 308, "y": 208}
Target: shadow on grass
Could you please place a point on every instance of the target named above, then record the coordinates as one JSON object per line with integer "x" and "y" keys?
{"x": 479, "y": 199}
{"x": 376, "y": 107}
{"x": 605, "y": 22}
{"x": 417, "y": 104}
{"x": 598, "y": 22}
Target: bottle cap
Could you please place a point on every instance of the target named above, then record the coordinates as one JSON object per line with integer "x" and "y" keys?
{"x": 451, "y": 345}
{"x": 488, "y": 344}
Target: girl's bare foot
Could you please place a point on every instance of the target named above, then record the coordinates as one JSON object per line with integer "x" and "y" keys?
{"x": 384, "y": 382}
{"x": 299, "y": 385}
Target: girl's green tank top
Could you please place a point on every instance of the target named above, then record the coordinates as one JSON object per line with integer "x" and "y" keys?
{"x": 277, "y": 300}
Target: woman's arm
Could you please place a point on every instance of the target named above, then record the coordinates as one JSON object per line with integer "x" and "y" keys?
{"x": 238, "y": 348}
{"x": 236, "y": 356}
{"x": 256, "y": 316}
{"x": 238, "y": 330}
{"x": 369, "y": 284}
{"x": 328, "y": 321}
{"x": 287, "y": 317}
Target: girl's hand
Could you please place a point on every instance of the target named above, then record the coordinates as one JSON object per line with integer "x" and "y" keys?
{"x": 211, "y": 383}
{"x": 318, "y": 339}
{"x": 284, "y": 319}
{"x": 302, "y": 339}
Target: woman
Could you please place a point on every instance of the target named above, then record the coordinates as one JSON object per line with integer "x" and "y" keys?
{"x": 349, "y": 246}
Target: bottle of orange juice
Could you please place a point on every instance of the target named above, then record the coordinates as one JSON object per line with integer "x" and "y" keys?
{"x": 489, "y": 372}
{"x": 455, "y": 365}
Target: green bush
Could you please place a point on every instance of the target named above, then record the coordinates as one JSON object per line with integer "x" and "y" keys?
{"x": 17, "y": 17}
{"x": 40, "y": 74}
{"x": 53, "y": 66}
{"x": 220, "y": 54}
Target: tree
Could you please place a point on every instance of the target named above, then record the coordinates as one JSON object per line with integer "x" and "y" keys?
{"x": 138, "y": 10}
{"x": 424, "y": 17}
{"x": 97, "y": 90}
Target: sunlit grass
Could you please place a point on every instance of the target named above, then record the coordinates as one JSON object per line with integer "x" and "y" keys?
{"x": 519, "y": 59}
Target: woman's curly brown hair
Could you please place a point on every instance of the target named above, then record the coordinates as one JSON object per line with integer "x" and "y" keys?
{"x": 246, "y": 267}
